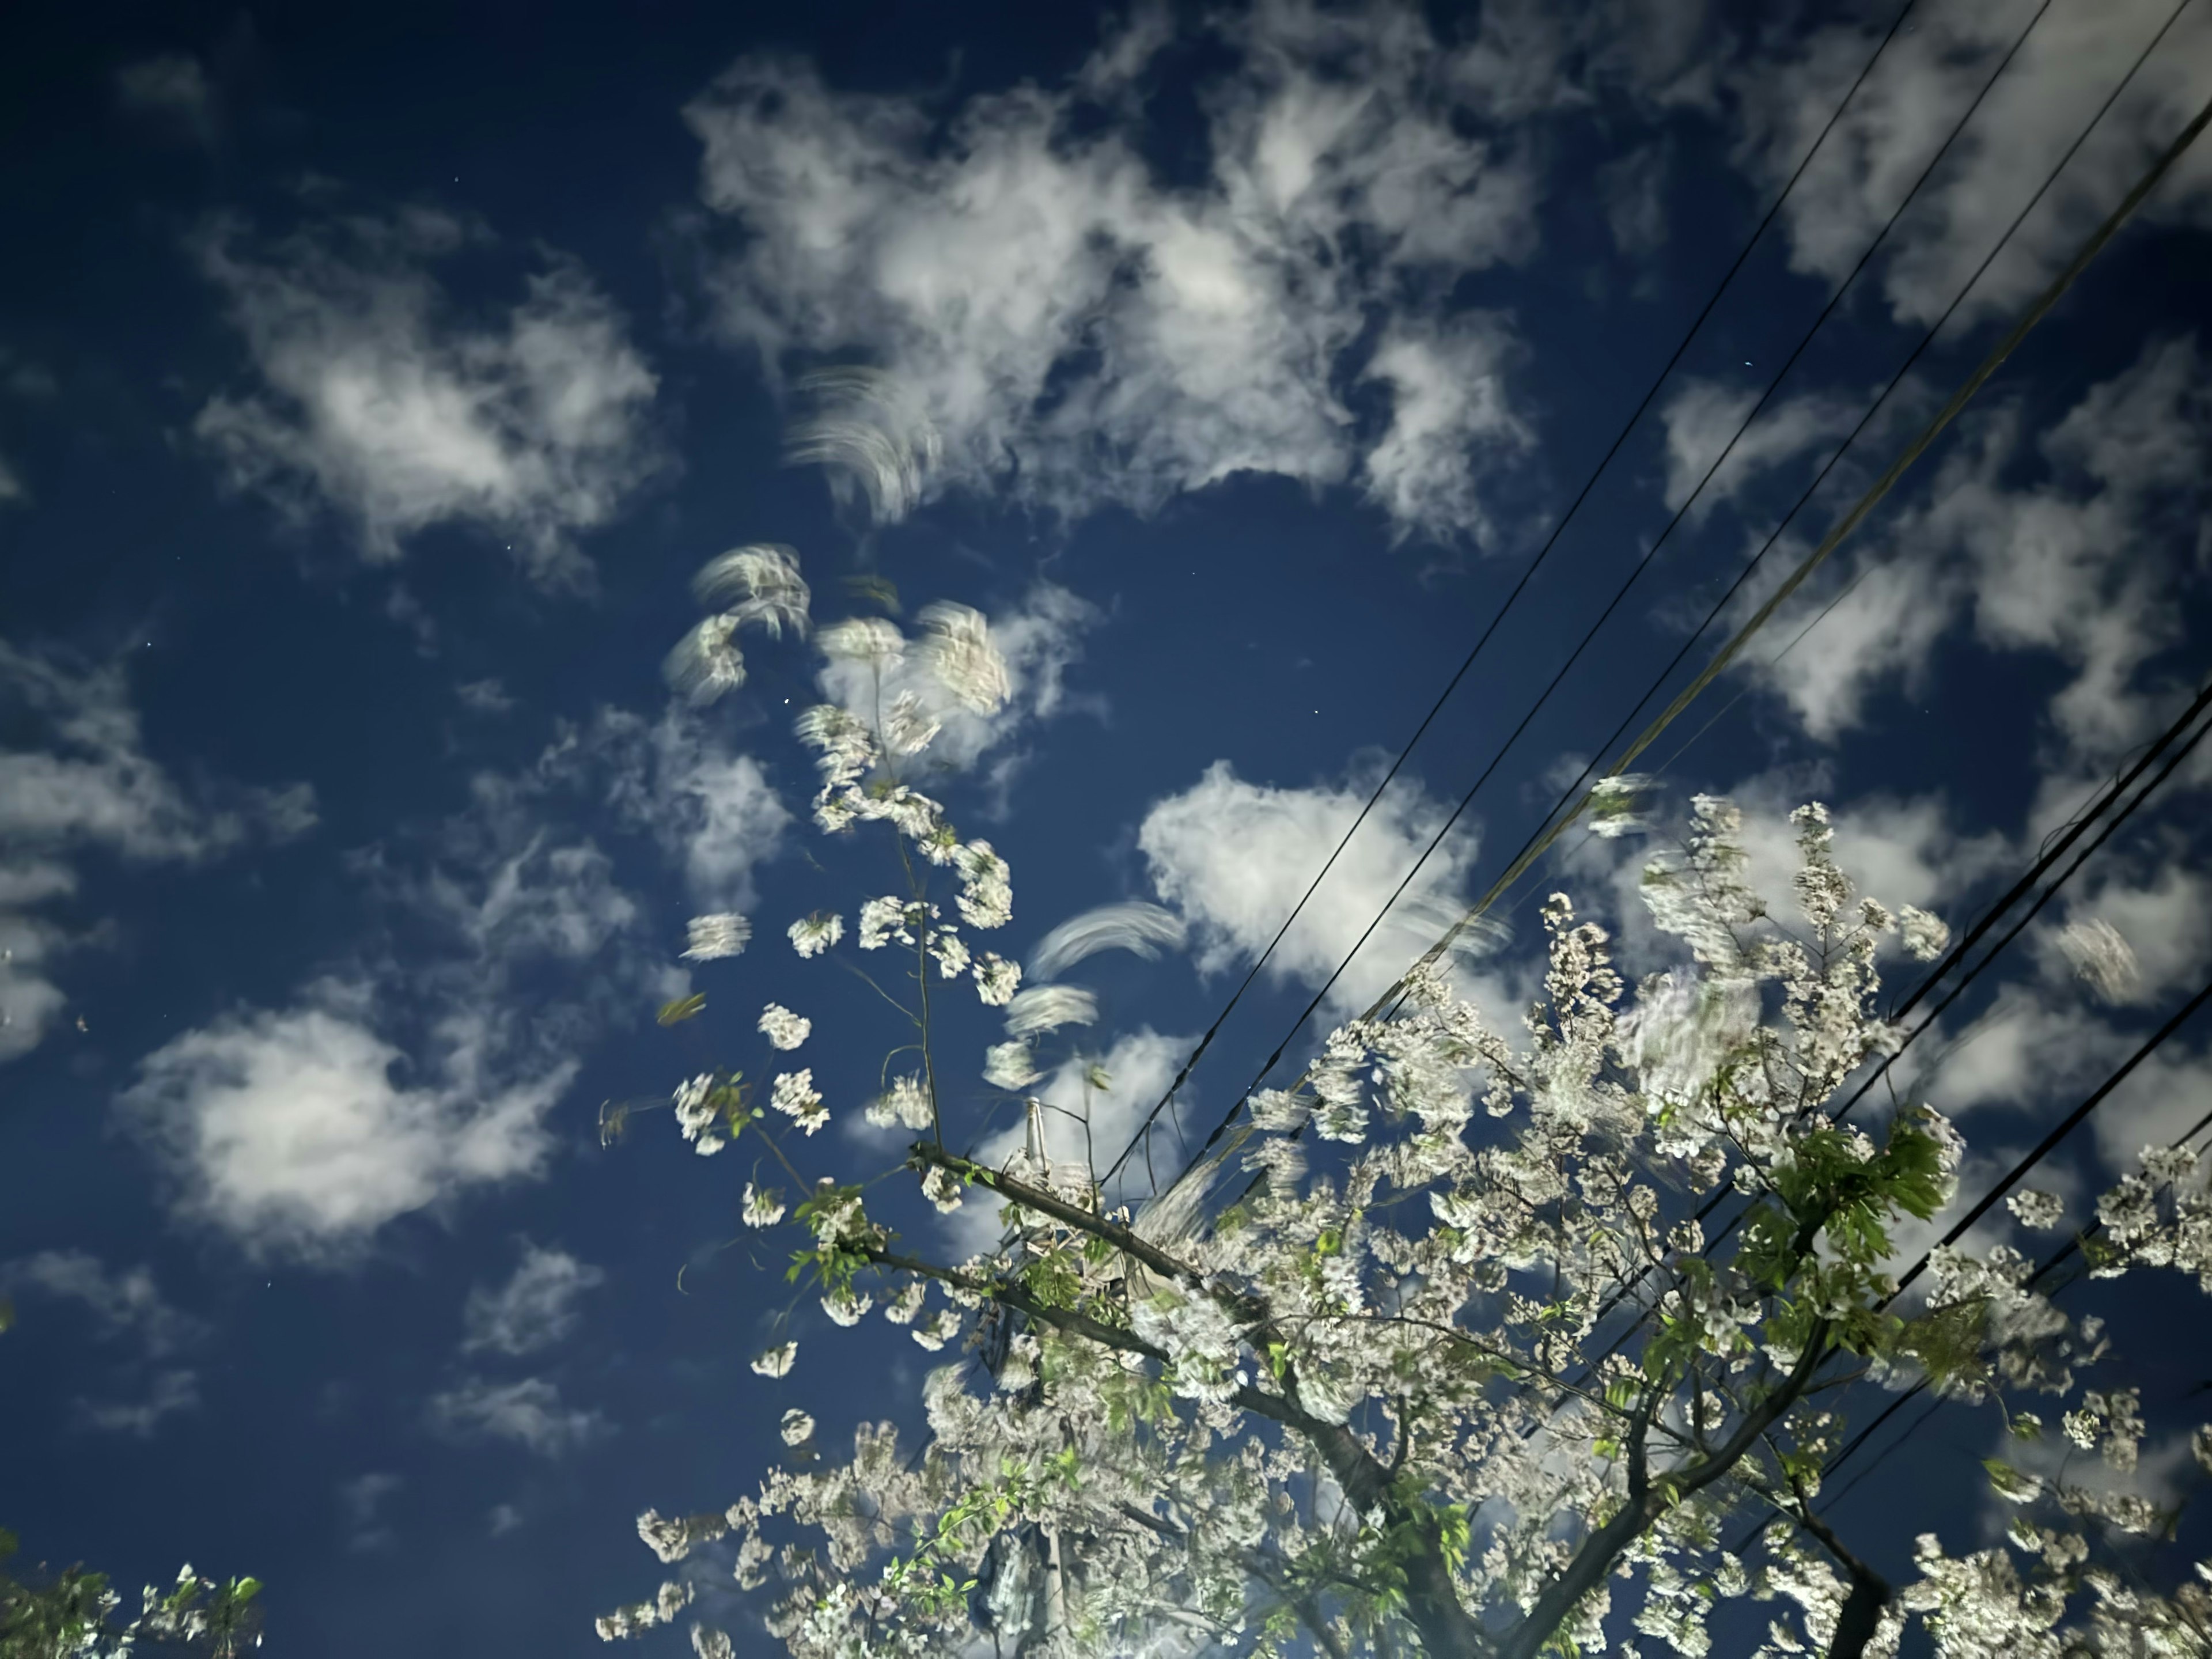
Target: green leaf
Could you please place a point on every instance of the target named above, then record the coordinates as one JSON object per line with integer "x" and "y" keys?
{"x": 676, "y": 1013}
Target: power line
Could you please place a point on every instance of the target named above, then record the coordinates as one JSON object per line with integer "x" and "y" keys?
{"x": 2044, "y": 897}
{"x": 1563, "y": 815}
{"x": 1406, "y": 751}
{"x": 2045, "y": 1269}
{"x": 1621, "y": 1292}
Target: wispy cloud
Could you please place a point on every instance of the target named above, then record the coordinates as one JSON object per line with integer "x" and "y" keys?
{"x": 127, "y": 1309}
{"x": 2078, "y": 564}
{"x": 534, "y": 1309}
{"x": 379, "y": 401}
{"x": 1063, "y": 326}
{"x": 1786, "y": 86}
{"x": 361, "y": 1502}
{"x": 529, "y": 1413}
{"x": 172, "y": 87}
{"x": 391, "y": 1086}
{"x": 90, "y": 784}
{"x": 1234, "y": 856}
{"x": 289, "y": 1131}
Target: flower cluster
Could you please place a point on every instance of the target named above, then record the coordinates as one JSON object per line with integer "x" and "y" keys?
{"x": 1447, "y": 1329}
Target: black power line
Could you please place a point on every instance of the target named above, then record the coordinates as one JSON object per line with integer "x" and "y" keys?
{"x": 2049, "y": 1265}
{"x": 1562, "y": 814}
{"x": 1622, "y": 1293}
{"x": 1406, "y": 750}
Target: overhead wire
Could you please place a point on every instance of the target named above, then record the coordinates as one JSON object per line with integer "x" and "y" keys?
{"x": 2043, "y": 1269}
{"x": 1563, "y": 814}
{"x": 1543, "y": 552}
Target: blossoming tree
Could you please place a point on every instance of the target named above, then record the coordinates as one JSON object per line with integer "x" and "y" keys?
{"x": 1437, "y": 1354}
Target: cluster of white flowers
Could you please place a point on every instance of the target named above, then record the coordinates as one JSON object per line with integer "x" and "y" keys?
{"x": 644, "y": 1615}
{"x": 761, "y": 587}
{"x": 2101, "y": 958}
{"x": 793, "y": 1095}
{"x": 782, "y": 1028}
{"x": 717, "y": 936}
{"x": 760, "y": 1207}
{"x": 1382, "y": 1361}
{"x": 699, "y": 1120}
{"x": 1010, "y": 1066}
{"x": 811, "y": 935}
{"x": 903, "y": 1104}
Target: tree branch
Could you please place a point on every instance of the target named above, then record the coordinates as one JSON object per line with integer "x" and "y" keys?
{"x": 1595, "y": 1559}
{"x": 1861, "y": 1610}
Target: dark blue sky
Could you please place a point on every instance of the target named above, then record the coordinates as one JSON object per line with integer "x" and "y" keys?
{"x": 373, "y": 380}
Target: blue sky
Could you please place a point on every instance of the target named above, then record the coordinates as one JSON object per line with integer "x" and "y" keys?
{"x": 373, "y": 382}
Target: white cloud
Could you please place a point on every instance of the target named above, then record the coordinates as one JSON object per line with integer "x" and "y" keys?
{"x": 126, "y": 1308}
{"x": 1448, "y": 401}
{"x": 1633, "y": 189}
{"x": 2164, "y": 1098}
{"x": 1076, "y": 331}
{"x": 486, "y": 696}
{"x": 123, "y": 1304}
{"x": 423, "y": 1068}
{"x": 2073, "y": 58}
{"x": 716, "y": 812}
{"x": 170, "y": 87}
{"x": 1704, "y": 415}
{"x": 13, "y": 490}
{"x": 534, "y": 1309}
{"x": 1235, "y": 857}
{"x": 301, "y": 1133}
{"x": 361, "y": 1500}
{"x": 504, "y": 1518}
{"x": 380, "y": 403}
{"x": 94, "y": 786}
{"x": 529, "y": 1413}
{"x": 171, "y": 1391}
{"x": 2079, "y": 564}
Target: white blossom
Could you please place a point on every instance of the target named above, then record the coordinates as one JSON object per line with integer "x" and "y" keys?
{"x": 950, "y": 952}
{"x": 694, "y": 1117}
{"x": 783, "y": 1029}
{"x": 870, "y": 640}
{"x": 882, "y": 922}
{"x": 2038, "y": 1211}
{"x": 846, "y": 1306}
{"x": 798, "y": 1427}
{"x": 811, "y": 935}
{"x": 706, "y": 662}
{"x": 793, "y": 1094}
{"x": 761, "y": 1207}
{"x": 717, "y": 936}
{"x": 1925, "y": 937}
{"x": 996, "y": 979}
{"x": 904, "y": 1103}
{"x": 1049, "y": 1007}
{"x": 986, "y": 894}
{"x": 2101, "y": 958}
{"x": 1010, "y": 1066}
{"x": 943, "y": 1189}
{"x": 908, "y": 728}
{"x": 776, "y": 1361}
{"x": 957, "y": 650}
{"x": 758, "y": 584}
